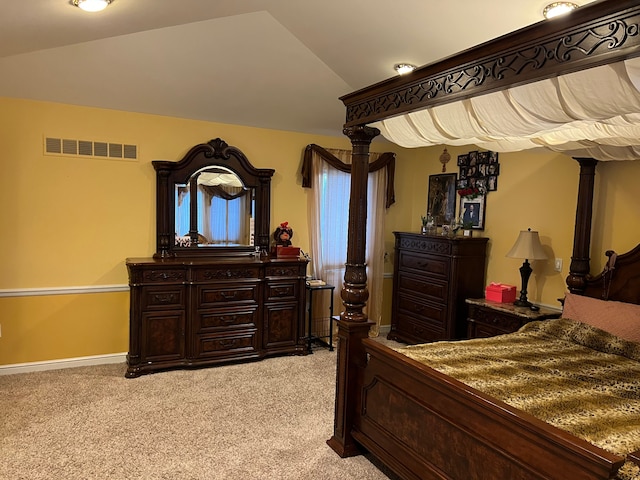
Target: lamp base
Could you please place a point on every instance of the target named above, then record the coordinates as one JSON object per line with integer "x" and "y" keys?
{"x": 522, "y": 303}
{"x": 525, "y": 273}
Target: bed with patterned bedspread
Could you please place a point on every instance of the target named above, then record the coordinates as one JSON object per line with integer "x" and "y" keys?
{"x": 569, "y": 374}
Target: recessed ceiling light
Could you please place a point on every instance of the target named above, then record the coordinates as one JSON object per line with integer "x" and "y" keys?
{"x": 404, "y": 68}
{"x": 558, "y": 8}
{"x": 92, "y": 5}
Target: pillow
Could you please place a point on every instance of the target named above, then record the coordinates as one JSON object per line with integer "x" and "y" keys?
{"x": 619, "y": 318}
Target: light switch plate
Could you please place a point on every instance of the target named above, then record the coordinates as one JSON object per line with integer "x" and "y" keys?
{"x": 558, "y": 265}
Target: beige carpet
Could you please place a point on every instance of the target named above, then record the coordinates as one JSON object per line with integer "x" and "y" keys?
{"x": 259, "y": 420}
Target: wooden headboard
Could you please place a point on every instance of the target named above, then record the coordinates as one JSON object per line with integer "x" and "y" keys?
{"x": 619, "y": 280}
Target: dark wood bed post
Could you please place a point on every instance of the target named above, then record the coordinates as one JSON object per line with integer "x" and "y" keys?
{"x": 353, "y": 325}
{"x": 580, "y": 266}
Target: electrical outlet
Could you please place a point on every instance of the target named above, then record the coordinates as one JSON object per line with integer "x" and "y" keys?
{"x": 558, "y": 265}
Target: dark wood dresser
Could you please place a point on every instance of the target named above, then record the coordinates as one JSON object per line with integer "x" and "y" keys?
{"x": 433, "y": 275}
{"x": 211, "y": 294}
{"x": 487, "y": 318}
{"x": 205, "y": 311}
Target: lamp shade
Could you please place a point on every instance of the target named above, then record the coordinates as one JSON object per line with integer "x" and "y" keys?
{"x": 527, "y": 246}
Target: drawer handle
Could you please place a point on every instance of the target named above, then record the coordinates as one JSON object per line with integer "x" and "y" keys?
{"x": 228, "y": 319}
{"x": 229, "y": 295}
{"x": 165, "y": 299}
{"x": 423, "y": 264}
{"x": 281, "y": 292}
{"x": 227, "y": 343}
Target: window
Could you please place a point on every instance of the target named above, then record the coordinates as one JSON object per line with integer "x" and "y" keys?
{"x": 329, "y": 214}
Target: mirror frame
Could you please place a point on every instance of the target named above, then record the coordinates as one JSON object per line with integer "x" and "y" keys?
{"x": 215, "y": 153}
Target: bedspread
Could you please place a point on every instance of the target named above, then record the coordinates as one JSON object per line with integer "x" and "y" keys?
{"x": 569, "y": 374}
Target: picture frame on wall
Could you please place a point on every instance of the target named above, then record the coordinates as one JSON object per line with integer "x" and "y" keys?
{"x": 441, "y": 199}
{"x": 472, "y": 211}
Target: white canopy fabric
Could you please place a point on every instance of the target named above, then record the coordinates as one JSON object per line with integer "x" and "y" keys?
{"x": 593, "y": 113}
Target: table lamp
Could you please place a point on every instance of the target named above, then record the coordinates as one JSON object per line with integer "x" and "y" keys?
{"x": 527, "y": 246}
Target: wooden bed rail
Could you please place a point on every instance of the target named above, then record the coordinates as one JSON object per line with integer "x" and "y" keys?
{"x": 448, "y": 429}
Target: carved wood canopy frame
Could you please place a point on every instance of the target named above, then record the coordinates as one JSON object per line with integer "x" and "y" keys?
{"x": 600, "y": 33}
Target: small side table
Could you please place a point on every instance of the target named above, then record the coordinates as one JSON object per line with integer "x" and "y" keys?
{"x": 311, "y": 289}
{"x": 487, "y": 318}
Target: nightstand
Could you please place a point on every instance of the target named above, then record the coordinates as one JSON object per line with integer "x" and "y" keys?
{"x": 487, "y": 318}
{"x": 320, "y": 323}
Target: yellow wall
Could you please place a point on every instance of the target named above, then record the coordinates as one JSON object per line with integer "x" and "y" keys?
{"x": 71, "y": 222}
{"x": 38, "y": 328}
{"x": 536, "y": 190}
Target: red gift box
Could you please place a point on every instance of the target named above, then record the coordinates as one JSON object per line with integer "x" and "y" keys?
{"x": 499, "y": 292}
{"x": 287, "y": 252}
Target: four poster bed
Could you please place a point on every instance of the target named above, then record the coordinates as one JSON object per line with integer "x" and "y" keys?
{"x": 426, "y": 421}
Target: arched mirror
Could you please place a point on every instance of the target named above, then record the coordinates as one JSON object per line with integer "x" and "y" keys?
{"x": 212, "y": 202}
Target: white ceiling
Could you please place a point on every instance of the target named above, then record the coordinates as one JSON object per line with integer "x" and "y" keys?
{"x": 280, "y": 64}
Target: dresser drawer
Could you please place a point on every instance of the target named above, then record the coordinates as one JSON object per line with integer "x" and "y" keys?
{"x": 285, "y": 271}
{"x": 211, "y": 321}
{"x": 429, "y": 289}
{"x": 160, "y": 275}
{"x": 282, "y": 290}
{"x": 433, "y": 314}
{"x": 497, "y": 321}
{"x": 220, "y": 346}
{"x": 225, "y": 273}
{"x": 418, "y": 331}
{"x": 212, "y": 295}
{"x": 431, "y": 266}
{"x": 162, "y": 298}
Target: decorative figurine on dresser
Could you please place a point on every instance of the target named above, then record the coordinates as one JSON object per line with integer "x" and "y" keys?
{"x": 211, "y": 294}
{"x": 433, "y": 275}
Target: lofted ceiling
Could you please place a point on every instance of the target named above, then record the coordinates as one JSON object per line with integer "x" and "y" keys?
{"x": 280, "y": 64}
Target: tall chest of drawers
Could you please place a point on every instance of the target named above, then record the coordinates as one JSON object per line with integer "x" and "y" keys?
{"x": 199, "y": 312}
{"x": 433, "y": 275}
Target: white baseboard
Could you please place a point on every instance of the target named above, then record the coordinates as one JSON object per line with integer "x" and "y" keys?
{"x": 62, "y": 363}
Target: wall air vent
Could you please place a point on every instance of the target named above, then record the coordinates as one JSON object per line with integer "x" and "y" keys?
{"x": 100, "y": 149}
{"x": 130, "y": 151}
{"x": 88, "y": 148}
{"x": 115, "y": 150}
{"x": 69, "y": 147}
